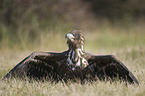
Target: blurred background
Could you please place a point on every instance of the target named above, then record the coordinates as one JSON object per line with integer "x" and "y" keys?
{"x": 110, "y": 27}
{"x": 43, "y": 23}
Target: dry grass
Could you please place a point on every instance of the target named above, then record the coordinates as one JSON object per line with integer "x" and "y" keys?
{"x": 128, "y": 47}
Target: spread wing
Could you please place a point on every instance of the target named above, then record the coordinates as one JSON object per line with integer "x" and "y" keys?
{"x": 110, "y": 67}
{"x": 38, "y": 65}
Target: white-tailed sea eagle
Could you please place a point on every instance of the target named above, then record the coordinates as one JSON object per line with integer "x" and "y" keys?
{"x": 73, "y": 64}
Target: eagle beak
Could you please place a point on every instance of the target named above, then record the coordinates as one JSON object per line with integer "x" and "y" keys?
{"x": 69, "y": 36}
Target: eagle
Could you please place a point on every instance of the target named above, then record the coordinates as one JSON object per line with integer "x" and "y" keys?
{"x": 73, "y": 64}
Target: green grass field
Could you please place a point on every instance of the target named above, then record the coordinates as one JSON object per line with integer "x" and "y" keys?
{"x": 128, "y": 44}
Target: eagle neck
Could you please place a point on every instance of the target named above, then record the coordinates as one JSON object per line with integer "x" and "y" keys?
{"x": 76, "y": 58}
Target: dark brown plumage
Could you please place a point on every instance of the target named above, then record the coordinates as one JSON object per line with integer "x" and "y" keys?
{"x": 73, "y": 64}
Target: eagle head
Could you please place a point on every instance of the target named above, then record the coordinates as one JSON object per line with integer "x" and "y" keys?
{"x": 75, "y": 39}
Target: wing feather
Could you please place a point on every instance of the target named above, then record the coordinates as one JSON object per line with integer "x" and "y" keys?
{"x": 110, "y": 66}
{"x": 37, "y": 65}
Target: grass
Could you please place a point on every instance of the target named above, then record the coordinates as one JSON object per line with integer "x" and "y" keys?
{"x": 125, "y": 43}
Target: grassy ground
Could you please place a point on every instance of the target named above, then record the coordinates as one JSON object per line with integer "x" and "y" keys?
{"x": 128, "y": 44}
